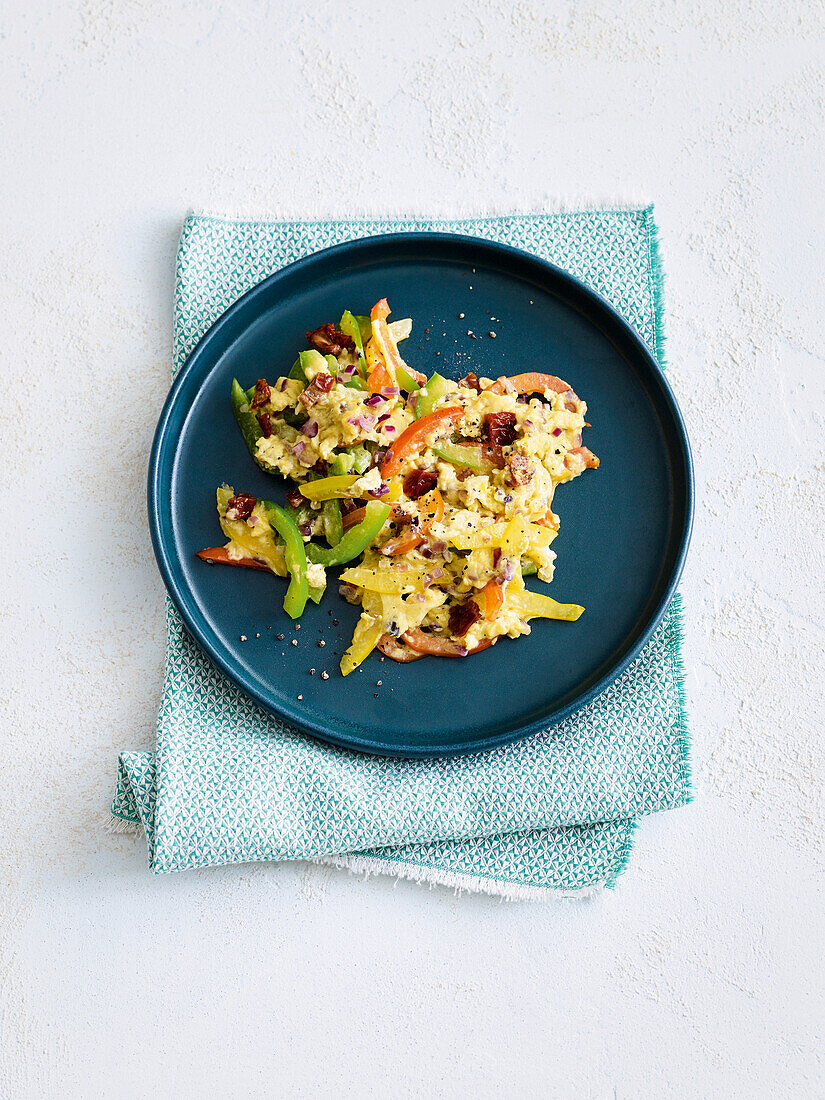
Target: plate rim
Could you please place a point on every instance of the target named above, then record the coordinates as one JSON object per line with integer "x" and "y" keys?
{"x": 179, "y": 592}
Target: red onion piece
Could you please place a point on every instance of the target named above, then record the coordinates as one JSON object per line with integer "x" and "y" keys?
{"x": 374, "y": 400}
{"x": 557, "y": 431}
{"x": 310, "y": 429}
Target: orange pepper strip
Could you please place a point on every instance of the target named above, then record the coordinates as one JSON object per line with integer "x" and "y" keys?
{"x": 413, "y": 438}
{"x": 530, "y": 383}
{"x": 493, "y": 599}
{"x": 402, "y": 544}
{"x": 432, "y": 508}
{"x": 219, "y": 555}
{"x": 386, "y": 346}
{"x": 379, "y": 379}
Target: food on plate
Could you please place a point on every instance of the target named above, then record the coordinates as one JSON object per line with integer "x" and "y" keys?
{"x": 435, "y": 495}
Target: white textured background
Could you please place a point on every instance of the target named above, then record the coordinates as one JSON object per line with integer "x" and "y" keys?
{"x": 702, "y": 974}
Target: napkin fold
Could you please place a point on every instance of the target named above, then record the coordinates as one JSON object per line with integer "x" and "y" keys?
{"x": 554, "y": 814}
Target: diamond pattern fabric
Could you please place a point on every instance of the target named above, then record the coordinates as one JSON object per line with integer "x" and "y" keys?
{"x": 229, "y": 783}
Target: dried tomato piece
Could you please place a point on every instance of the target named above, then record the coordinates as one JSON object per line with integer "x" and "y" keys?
{"x": 320, "y": 467}
{"x": 328, "y": 340}
{"x": 262, "y": 394}
{"x": 500, "y": 428}
{"x": 265, "y": 420}
{"x": 320, "y": 384}
{"x": 462, "y": 616}
{"x": 520, "y": 470}
{"x": 419, "y": 482}
{"x": 240, "y": 506}
{"x": 295, "y": 497}
{"x": 471, "y": 382}
{"x": 310, "y": 396}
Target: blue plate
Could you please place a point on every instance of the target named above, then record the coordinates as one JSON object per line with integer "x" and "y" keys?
{"x": 624, "y": 528}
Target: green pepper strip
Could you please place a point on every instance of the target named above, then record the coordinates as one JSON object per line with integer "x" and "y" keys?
{"x": 350, "y": 327}
{"x": 329, "y": 488}
{"x": 406, "y": 381}
{"x": 528, "y": 568}
{"x": 317, "y": 594}
{"x": 459, "y": 455}
{"x": 365, "y": 325}
{"x": 248, "y": 423}
{"x": 435, "y": 388}
{"x": 333, "y": 524}
{"x": 297, "y": 371}
{"x": 294, "y": 556}
{"x": 246, "y": 418}
{"x": 355, "y": 541}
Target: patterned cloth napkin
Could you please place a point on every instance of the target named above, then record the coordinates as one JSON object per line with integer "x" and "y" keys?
{"x": 556, "y": 813}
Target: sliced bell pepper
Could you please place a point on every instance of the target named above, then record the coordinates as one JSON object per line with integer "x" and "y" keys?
{"x": 460, "y": 454}
{"x": 296, "y": 371}
{"x": 248, "y": 423}
{"x": 316, "y": 361}
{"x": 355, "y": 540}
{"x": 379, "y": 379}
{"x": 534, "y": 605}
{"x": 368, "y": 632}
{"x": 403, "y": 544}
{"x": 431, "y": 508}
{"x": 493, "y": 594}
{"x": 530, "y": 383}
{"x": 329, "y": 488}
{"x": 386, "y": 582}
{"x": 441, "y": 647}
{"x": 333, "y": 524}
{"x": 407, "y": 378}
{"x": 297, "y": 592}
{"x": 432, "y": 391}
{"x": 220, "y": 556}
{"x": 350, "y": 327}
{"x": 412, "y": 439}
{"x": 355, "y": 517}
{"x": 396, "y": 650}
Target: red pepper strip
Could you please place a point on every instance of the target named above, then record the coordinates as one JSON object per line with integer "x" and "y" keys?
{"x": 413, "y": 438}
{"x": 493, "y": 599}
{"x": 530, "y": 383}
{"x": 387, "y": 347}
{"x": 441, "y": 647}
{"x": 391, "y": 647}
{"x": 219, "y": 555}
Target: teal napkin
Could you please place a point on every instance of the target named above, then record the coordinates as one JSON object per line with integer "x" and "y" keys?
{"x": 228, "y": 783}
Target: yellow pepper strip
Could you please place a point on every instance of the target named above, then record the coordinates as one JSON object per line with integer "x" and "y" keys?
{"x": 495, "y": 534}
{"x": 256, "y": 545}
{"x": 394, "y": 494}
{"x": 329, "y": 488}
{"x": 535, "y": 606}
{"x": 388, "y": 582}
{"x": 490, "y": 536}
{"x": 516, "y": 537}
{"x": 367, "y": 632}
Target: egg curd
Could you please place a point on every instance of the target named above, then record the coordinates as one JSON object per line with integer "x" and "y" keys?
{"x": 436, "y": 495}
